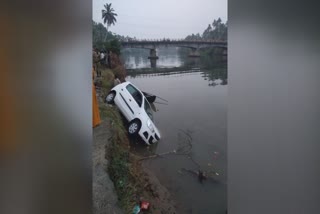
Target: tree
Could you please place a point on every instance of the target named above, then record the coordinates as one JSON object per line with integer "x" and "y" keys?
{"x": 215, "y": 31}
{"x": 113, "y": 46}
{"x": 99, "y": 35}
{"x": 108, "y": 15}
{"x": 206, "y": 33}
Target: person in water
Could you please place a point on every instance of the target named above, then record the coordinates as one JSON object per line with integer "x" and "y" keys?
{"x": 201, "y": 176}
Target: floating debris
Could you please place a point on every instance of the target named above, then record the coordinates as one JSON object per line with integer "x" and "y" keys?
{"x": 201, "y": 176}
{"x": 144, "y": 205}
{"x": 136, "y": 209}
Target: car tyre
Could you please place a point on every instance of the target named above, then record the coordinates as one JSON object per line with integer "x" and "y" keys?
{"x": 134, "y": 127}
{"x": 110, "y": 97}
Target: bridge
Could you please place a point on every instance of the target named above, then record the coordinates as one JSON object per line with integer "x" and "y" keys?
{"x": 193, "y": 45}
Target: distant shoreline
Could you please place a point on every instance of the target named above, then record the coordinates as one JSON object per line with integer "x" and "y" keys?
{"x": 182, "y": 69}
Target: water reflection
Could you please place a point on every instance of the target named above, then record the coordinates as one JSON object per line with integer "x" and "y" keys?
{"x": 216, "y": 76}
{"x": 192, "y": 62}
{"x": 153, "y": 63}
{"x": 171, "y": 62}
{"x": 138, "y": 58}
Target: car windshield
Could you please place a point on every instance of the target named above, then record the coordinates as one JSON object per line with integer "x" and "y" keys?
{"x": 148, "y": 109}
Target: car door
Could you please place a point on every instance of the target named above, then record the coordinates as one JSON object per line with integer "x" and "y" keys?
{"x": 134, "y": 100}
{"x": 123, "y": 102}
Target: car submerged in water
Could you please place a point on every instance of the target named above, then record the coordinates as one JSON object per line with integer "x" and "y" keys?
{"x": 136, "y": 109}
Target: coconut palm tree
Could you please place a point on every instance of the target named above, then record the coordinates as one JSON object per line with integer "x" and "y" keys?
{"x": 108, "y": 15}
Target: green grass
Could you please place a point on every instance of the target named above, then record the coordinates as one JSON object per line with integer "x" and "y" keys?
{"x": 120, "y": 168}
{"x": 107, "y": 80}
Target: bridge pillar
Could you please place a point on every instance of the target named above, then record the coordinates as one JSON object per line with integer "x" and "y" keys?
{"x": 153, "y": 54}
{"x": 194, "y": 52}
{"x": 153, "y": 63}
{"x": 225, "y": 52}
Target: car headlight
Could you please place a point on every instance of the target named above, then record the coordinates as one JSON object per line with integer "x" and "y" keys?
{"x": 150, "y": 126}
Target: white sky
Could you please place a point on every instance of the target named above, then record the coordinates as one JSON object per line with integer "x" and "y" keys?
{"x": 152, "y": 19}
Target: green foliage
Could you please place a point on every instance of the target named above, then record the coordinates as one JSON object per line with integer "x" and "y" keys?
{"x": 108, "y": 15}
{"x": 106, "y": 82}
{"x": 119, "y": 170}
{"x": 103, "y": 39}
{"x": 113, "y": 45}
{"x": 119, "y": 167}
{"x": 215, "y": 31}
{"x": 218, "y": 31}
{"x": 194, "y": 37}
{"x": 100, "y": 35}
{"x": 106, "y": 40}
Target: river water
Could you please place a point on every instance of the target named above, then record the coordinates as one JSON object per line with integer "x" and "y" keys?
{"x": 193, "y": 120}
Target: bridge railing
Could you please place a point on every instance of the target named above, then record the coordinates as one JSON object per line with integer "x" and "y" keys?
{"x": 172, "y": 41}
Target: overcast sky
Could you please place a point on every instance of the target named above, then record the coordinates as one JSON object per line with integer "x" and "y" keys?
{"x": 162, "y": 18}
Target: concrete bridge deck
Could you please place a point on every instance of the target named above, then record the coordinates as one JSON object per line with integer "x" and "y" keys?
{"x": 194, "y": 45}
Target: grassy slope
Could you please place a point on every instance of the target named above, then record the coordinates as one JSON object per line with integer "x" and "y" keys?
{"x": 122, "y": 167}
{"x": 130, "y": 179}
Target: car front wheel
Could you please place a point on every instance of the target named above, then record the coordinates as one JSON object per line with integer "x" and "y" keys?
{"x": 134, "y": 127}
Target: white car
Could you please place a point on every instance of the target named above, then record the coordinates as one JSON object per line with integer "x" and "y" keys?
{"x": 136, "y": 109}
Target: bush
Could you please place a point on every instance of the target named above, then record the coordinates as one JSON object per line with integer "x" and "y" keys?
{"x": 120, "y": 71}
{"x": 113, "y": 46}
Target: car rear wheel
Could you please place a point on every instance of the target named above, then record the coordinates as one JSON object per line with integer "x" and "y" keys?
{"x": 134, "y": 127}
{"x": 110, "y": 97}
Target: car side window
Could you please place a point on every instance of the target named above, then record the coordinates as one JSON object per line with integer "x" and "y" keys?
{"x": 135, "y": 94}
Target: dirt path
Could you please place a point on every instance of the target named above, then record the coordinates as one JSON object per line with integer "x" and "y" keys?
{"x": 104, "y": 196}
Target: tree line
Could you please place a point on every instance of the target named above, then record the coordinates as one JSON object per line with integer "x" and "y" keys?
{"x": 215, "y": 31}
{"x": 102, "y": 38}
{"x": 105, "y": 40}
